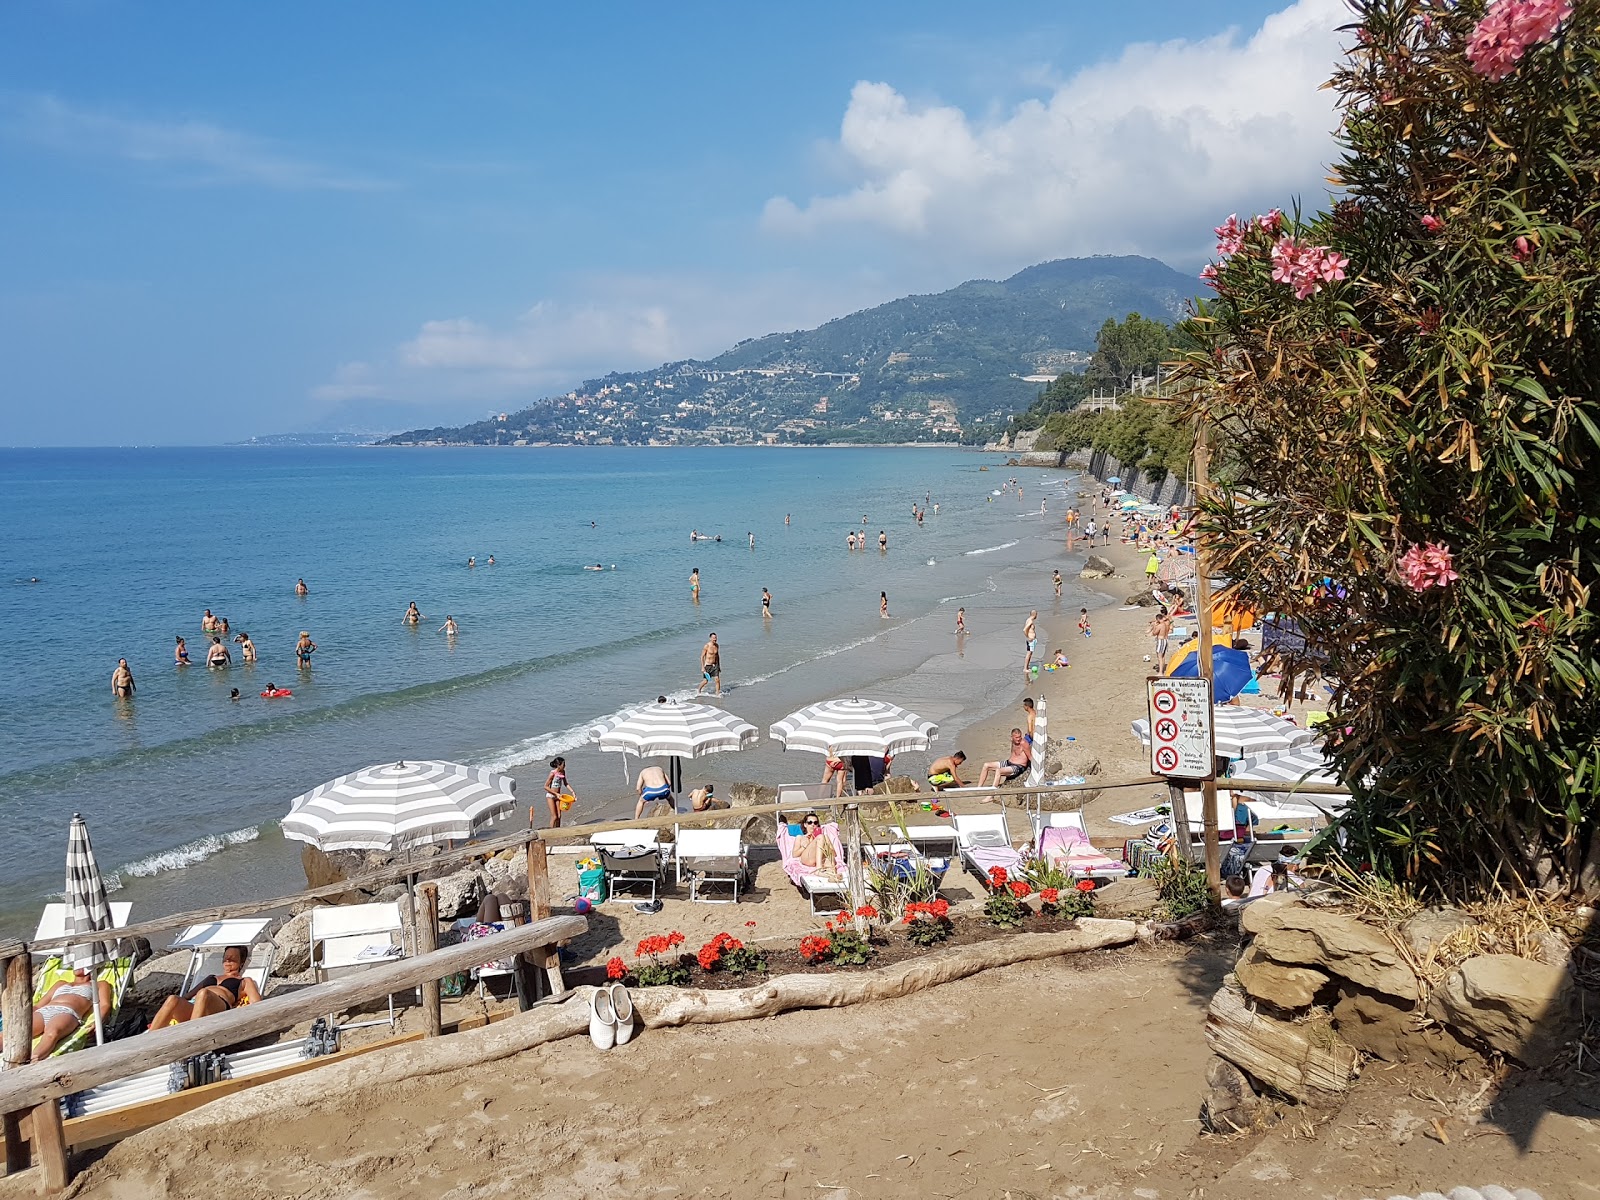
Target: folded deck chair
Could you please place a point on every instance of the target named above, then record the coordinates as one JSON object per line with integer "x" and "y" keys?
{"x": 813, "y": 884}
{"x": 1068, "y": 848}
{"x": 353, "y": 937}
{"x": 985, "y": 843}
{"x": 711, "y": 856}
{"x": 630, "y": 857}
{"x": 206, "y": 943}
{"x": 118, "y": 973}
{"x": 53, "y": 922}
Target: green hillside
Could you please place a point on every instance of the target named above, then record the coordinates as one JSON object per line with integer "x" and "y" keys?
{"x": 919, "y": 368}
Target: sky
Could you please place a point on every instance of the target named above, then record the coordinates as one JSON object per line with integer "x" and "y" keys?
{"x": 220, "y": 221}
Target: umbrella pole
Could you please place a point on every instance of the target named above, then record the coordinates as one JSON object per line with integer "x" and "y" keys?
{"x": 1202, "y": 575}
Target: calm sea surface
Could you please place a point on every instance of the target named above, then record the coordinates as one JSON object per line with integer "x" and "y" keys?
{"x": 181, "y": 784}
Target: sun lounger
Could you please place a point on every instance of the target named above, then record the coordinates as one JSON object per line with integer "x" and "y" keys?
{"x": 630, "y": 857}
{"x": 353, "y": 937}
{"x": 934, "y": 841}
{"x": 813, "y": 884}
{"x": 118, "y": 973}
{"x": 804, "y": 795}
{"x": 707, "y": 856}
{"x": 1067, "y": 847}
{"x": 985, "y": 843}
{"x": 206, "y": 943}
{"x": 53, "y": 922}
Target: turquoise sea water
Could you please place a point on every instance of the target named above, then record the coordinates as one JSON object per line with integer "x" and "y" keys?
{"x": 181, "y": 784}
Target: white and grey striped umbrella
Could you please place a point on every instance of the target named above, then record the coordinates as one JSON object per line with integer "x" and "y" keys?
{"x": 1239, "y": 731}
{"x": 854, "y": 726}
{"x": 399, "y": 804}
{"x": 87, "y": 908}
{"x": 685, "y": 730}
{"x": 1302, "y": 764}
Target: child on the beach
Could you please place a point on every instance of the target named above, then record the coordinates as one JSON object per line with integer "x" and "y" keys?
{"x": 961, "y": 620}
{"x": 1061, "y": 659}
{"x": 1083, "y": 622}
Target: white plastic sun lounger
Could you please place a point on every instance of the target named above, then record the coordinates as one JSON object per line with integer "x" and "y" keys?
{"x": 985, "y": 843}
{"x": 207, "y": 942}
{"x": 1071, "y": 850}
{"x": 630, "y": 857}
{"x": 709, "y": 856}
{"x": 353, "y": 937}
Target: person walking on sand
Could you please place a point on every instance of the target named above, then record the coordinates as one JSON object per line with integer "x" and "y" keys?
{"x": 413, "y": 615}
{"x": 1030, "y": 634}
{"x": 766, "y": 604}
{"x": 122, "y": 686}
{"x": 1161, "y": 630}
{"x": 558, "y": 793}
{"x": 710, "y": 665}
{"x": 300, "y": 588}
{"x": 1083, "y": 622}
{"x": 304, "y": 649}
{"x": 961, "y": 622}
{"x": 883, "y": 605}
{"x": 1055, "y": 578}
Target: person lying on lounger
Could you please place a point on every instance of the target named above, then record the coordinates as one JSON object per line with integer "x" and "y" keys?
{"x": 213, "y": 994}
{"x": 815, "y": 850}
{"x": 63, "y": 1009}
{"x": 1016, "y": 764}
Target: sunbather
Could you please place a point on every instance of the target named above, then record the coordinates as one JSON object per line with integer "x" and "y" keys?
{"x": 57, "y": 1017}
{"x": 815, "y": 850}
{"x": 213, "y": 994}
{"x": 1013, "y": 766}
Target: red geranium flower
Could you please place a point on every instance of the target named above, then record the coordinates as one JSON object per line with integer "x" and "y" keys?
{"x": 1049, "y": 895}
{"x": 616, "y": 968}
{"x": 867, "y": 911}
{"x": 674, "y": 939}
{"x": 998, "y": 876}
{"x": 814, "y": 948}
{"x": 1020, "y": 889}
{"x": 1086, "y": 885}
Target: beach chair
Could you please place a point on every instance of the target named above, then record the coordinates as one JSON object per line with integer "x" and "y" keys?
{"x": 984, "y": 843}
{"x": 206, "y": 943}
{"x": 353, "y": 937}
{"x": 53, "y": 922}
{"x": 1063, "y": 842}
{"x": 512, "y": 912}
{"x": 905, "y": 862}
{"x": 707, "y": 856}
{"x": 812, "y": 884}
{"x": 118, "y": 973}
{"x": 934, "y": 841}
{"x": 630, "y": 857}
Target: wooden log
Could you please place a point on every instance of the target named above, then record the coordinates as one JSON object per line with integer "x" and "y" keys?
{"x": 659, "y": 1007}
{"x": 538, "y": 910}
{"x": 25, "y": 1087}
{"x": 855, "y": 866}
{"x": 427, "y": 935}
{"x": 1180, "y": 819}
{"x": 1302, "y": 1060}
{"x": 16, "y": 1012}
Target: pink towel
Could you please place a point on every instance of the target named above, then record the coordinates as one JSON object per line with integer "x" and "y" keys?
{"x": 1071, "y": 850}
{"x": 789, "y": 852}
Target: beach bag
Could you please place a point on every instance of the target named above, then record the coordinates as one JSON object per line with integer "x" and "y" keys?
{"x": 592, "y": 885}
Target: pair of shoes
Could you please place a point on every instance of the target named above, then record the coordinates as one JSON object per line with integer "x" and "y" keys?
{"x": 610, "y": 1016}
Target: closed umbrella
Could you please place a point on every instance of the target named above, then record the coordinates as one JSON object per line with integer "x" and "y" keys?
{"x": 678, "y": 731}
{"x": 399, "y": 804}
{"x": 854, "y": 726}
{"x": 87, "y": 911}
{"x": 1231, "y": 672}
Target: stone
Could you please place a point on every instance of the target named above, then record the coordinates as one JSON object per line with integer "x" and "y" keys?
{"x": 1264, "y": 913}
{"x": 1387, "y": 1029}
{"x": 1144, "y": 599}
{"x": 1297, "y": 936}
{"x": 895, "y": 785}
{"x": 1095, "y": 567}
{"x": 460, "y": 894}
{"x": 321, "y": 868}
{"x": 1231, "y": 1104}
{"x": 1130, "y": 897}
{"x": 294, "y": 945}
{"x": 1552, "y": 949}
{"x": 1288, "y": 988}
{"x": 1428, "y": 928}
{"x": 1521, "y": 1008}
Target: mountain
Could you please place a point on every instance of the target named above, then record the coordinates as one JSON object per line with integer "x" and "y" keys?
{"x": 916, "y": 369}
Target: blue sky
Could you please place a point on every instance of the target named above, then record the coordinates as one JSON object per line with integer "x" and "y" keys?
{"x": 225, "y": 220}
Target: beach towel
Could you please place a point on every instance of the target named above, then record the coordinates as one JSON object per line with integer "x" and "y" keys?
{"x": 1141, "y": 817}
{"x": 1071, "y": 850}
{"x": 984, "y": 859}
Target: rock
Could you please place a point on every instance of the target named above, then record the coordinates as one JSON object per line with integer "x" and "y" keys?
{"x": 1428, "y": 928}
{"x": 1095, "y": 567}
{"x": 1127, "y": 897}
{"x": 322, "y": 868}
{"x": 895, "y": 785}
{"x": 1387, "y": 1029}
{"x": 1144, "y": 599}
{"x": 1296, "y": 936}
{"x": 162, "y": 975}
{"x": 1552, "y": 949}
{"x": 1288, "y": 988}
{"x": 1304, "y": 1060}
{"x": 1231, "y": 1104}
{"x": 1523, "y": 1009}
{"x": 294, "y": 945}
{"x": 460, "y": 894}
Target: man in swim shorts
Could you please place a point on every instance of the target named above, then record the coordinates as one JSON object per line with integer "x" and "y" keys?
{"x": 653, "y": 788}
{"x": 946, "y": 772}
{"x": 710, "y": 665}
{"x": 1015, "y": 764}
{"x": 704, "y": 798}
{"x": 1030, "y": 633}
{"x": 122, "y": 680}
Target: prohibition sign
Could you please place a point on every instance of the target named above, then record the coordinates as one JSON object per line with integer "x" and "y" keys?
{"x": 1166, "y": 727}
{"x": 1166, "y": 758}
{"x": 1165, "y": 701}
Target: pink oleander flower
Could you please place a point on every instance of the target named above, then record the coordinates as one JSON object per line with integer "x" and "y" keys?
{"x": 1306, "y": 268}
{"x": 1425, "y": 566}
{"x": 1431, "y": 223}
{"x": 1271, "y": 222}
{"x": 1209, "y": 273}
{"x": 1522, "y": 249}
{"x": 1508, "y": 29}
{"x": 1230, "y": 235}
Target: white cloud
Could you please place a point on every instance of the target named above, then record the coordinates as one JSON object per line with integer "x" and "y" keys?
{"x": 351, "y": 381}
{"x": 191, "y": 151}
{"x": 1141, "y": 154}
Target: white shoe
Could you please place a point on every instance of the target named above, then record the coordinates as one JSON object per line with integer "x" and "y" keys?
{"x": 602, "y": 1019}
{"x": 622, "y": 1006}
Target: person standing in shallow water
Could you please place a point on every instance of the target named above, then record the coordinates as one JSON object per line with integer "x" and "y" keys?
{"x": 304, "y": 649}
{"x": 300, "y": 588}
{"x": 883, "y": 605}
{"x": 694, "y": 585}
{"x": 122, "y": 686}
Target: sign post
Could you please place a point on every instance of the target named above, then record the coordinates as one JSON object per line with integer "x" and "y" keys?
{"x": 1181, "y": 742}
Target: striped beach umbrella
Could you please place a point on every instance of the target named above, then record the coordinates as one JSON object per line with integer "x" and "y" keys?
{"x": 854, "y": 726}
{"x": 399, "y": 804}
{"x": 685, "y": 730}
{"x": 88, "y": 911}
{"x": 1240, "y": 731}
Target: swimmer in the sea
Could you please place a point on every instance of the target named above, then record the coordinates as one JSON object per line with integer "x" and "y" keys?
{"x": 247, "y": 648}
{"x": 122, "y": 681}
{"x": 218, "y": 655}
{"x": 883, "y": 604}
{"x": 300, "y": 588}
{"x": 472, "y": 561}
{"x": 449, "y": 628}
{"x": 180, "y": 653}
{"x": 234, "y": 695}
{"x": 413, "y": 615}
{"x": 766, "y": 604}
{"x": 304, "y": 649}
{"x": 883, "y": 540}
{"x": 208, "y": 623}
{"x": 694, "y": 584}
{"x": 491, "y": 560}
{"x": 596, "y": 567}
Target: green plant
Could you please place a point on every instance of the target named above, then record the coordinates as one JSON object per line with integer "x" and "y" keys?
{"x": 1067, "y": 902}
{"x": 1005, "y": 906}
{"x": 1182, "y": 888}
{"x": 1410, "y": 387}
{"x": 846, "y": 946}
{"x": 727, "y": 953}
{"x": 927, "y": 924}
{"x": 652, "y": 970}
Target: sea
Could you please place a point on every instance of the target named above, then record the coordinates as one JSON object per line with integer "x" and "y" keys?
{"x": 113, "y": 553}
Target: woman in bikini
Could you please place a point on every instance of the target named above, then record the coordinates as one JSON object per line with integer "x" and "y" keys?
{"x": 816, "y": 851}
{"x": 213, "y": 994}
{"x": 555, "y": 784}
{"x": 63, "y": 1009}
{"x": 837, "y": 771}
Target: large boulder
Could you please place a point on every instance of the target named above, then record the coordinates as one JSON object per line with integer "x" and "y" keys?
{"x": 1130, "y": 897}
{"x": 1287, "y": 988}
{"x": 460, "y": 894}
{"x": 293, "y": 943}
{"x": 1523, "y": 1009}
{"x": 1423, "y": 932}
{"x": 1144, "y": 599}
{"x": 1296, "y": 936}
{"x": 1095, "y": 567}
{"x": 1386, "y": 1028}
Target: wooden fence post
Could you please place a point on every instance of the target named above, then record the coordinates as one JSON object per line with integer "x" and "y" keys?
{"x": 538, "y": 910}
{"x": 427, "y": 933}
{"x": 50, "y": 1143}
{"x": 16, "y": 1010}
{"x": 855, "y": 867}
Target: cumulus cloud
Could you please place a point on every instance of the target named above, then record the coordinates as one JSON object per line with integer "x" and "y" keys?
{"x": 190, "y": 151}
{"x": 1142, "y": 154}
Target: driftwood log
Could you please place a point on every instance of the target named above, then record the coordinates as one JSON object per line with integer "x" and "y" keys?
{"x": 1305, "y": 1060}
